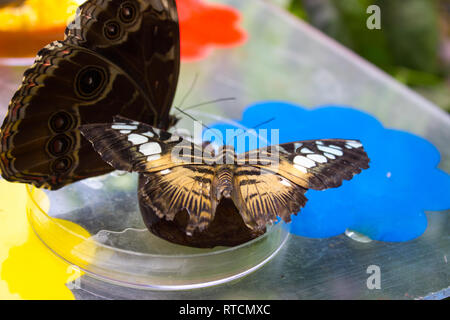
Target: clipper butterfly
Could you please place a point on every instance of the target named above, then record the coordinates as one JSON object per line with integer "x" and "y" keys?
{"x": 264, "y": 184}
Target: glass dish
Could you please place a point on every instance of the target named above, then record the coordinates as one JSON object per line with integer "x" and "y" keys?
{"x": 122, "y": 251}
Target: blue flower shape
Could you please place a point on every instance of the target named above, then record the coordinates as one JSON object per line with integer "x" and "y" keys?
{"x": 385, "y": 202}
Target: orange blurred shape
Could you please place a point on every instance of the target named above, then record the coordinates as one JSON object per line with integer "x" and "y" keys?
{"x": 27, "y": 43}
{"x": 26, "y": 28}
{"x": 205, "y": 26}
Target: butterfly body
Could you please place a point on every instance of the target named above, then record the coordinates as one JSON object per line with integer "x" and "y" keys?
{"x": 223, "y": 181}
{"x": 263, "y": 184}
{"x": 119, "y": 57}
{"x": 226, "y": 229}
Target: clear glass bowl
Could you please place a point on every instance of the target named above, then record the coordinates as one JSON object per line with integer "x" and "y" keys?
{"x": 96, "y": 226}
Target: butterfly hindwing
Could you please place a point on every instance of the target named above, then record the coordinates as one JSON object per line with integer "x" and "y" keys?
{"x": 261, "y": 196}
{"x": 188, "y": 187}
{"x": 40, "y": 141}
{"x": 89, "y": 78}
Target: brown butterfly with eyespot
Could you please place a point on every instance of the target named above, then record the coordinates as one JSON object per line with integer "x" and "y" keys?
{"x": 118, "y": 58}
{"x": 264, "y": 183}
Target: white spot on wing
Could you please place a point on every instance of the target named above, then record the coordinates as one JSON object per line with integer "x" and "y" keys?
{"x": 319, "y": 142}
{"x": 285, "y": 183}
{"x": 304, "y": 162}
{"x": 137, "y": 138}
{"x": 148, "y": 134}
{"x": 125, "y": 131}
{"x": 353, "y": 144}
{"x": 333, "y": 151}
{"x": 306, "y": 150}
{"x": 150, "y": 148}
{"x": 123, "y": 127}
{"x": 297, "y": 145}
{"x": 329, "y": 155}
{"x": 317, "y": 158}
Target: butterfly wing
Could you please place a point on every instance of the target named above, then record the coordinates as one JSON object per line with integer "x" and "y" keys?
{"x": 141, "y": 37}
{"x": 134, "y": 146}
{"x": 314, "y": 164}
{"x": 261, "y": 196}
{"x": 170, "y": 191}
{"x": 271, "y": 182}
{"x": 87, "y": 78}
{"x": 176, "y": 177}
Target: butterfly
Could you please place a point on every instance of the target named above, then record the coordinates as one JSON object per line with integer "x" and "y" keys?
{"x": 119, "y": 57}
{"x": 264, "y": 183}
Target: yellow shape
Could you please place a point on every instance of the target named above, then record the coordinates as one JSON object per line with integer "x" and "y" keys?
{"x": 38, "y": 14}
{"x": 28, "y": 269}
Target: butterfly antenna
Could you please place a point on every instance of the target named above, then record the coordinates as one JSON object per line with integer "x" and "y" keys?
{"x": 209, "y": 102}
{"x": 191, "y": 117}
{"x": 263, "y": 123}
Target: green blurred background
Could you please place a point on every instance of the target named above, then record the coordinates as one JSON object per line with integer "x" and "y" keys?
{"x": 413, "y": 44}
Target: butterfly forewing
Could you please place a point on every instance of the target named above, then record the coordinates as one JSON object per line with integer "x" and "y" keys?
{"x": 139, "y": 36}
{"x": 91, "y": 76}
{"x": 132, "y": 146}
{"x": 313, "y": 164}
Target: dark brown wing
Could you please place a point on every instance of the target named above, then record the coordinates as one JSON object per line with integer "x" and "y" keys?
{"x": 142, "y": 38}
{"x": 90, "y": 77}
